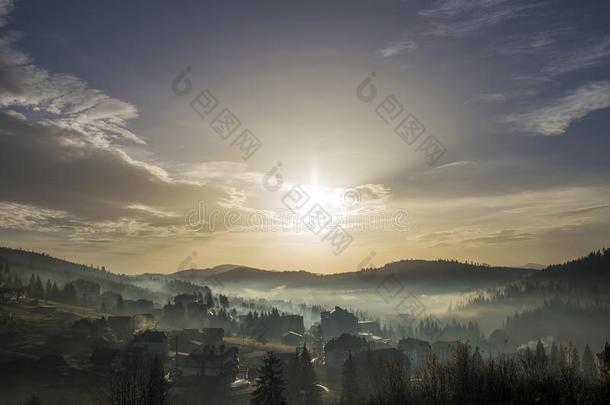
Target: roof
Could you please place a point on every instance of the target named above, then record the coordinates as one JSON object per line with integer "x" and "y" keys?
{"x": 291, "y": 333}
{"x": 150, "y": 336}
{"x": 346, "y": 342}
{"x": 413, "y": 344}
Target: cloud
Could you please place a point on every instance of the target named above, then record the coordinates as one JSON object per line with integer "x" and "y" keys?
{"x": 62, "y": 100}
{"x": 584, "y": 55}
{"x": 554, "y": 119}
{"x": 465, "y": 17}
{"x": 397, "y": 47}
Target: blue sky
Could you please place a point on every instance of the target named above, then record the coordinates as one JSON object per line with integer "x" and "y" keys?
{"x": 101, "y": 160}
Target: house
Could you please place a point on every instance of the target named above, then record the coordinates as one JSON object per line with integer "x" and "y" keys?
{"x": 292, "y": 339}
{"x": 338, "y": 349}
{"x": 151, "y": 342}
{"x": 122, "y": 326}
{"x": 212, "y": 362}
{"x": 338, "y": 321}
{"x": 83, "y": 328}
{"x": 379, "y": 358}
{"x": 212, "y": 336}
{"x": 418, "y": 351}
{"x": 8, "y": 295}
{"x": 371, "y": 327}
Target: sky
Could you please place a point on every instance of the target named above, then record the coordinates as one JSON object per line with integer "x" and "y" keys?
{"x": 148, "y": 136}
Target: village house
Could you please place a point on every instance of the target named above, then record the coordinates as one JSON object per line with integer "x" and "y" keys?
{"x": 338, "y": 349}
{"x": 292, "y": 339}
{"x": 372, "y": 358}
{"x": 418, "y": 351}
{"x": 338, "y": 321}
{"x": 151, "y": 343}
{"x": 212, "y": 363}
{"x": 122, "y": 326}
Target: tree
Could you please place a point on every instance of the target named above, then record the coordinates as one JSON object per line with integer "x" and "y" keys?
{"x": 223, "y": 300}
{"x": 540, "y": 356}
{"x": 158, "y": 387}
{"x": 69, "y": 294}
{"x": 209, "y": 300}
{"x": 48, "y": 290}
{"x": 293, "y": 377}
{"x": 589, "y": 367}
{"x": 270, "y": 382}
{"x": 120, "y": 305}
{"x": 308, "y": 380}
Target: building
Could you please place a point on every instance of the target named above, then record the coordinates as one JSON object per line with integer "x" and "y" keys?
{"x": 292, "y": 339}
{"x": 337, "y": 322}
{"x": 212, "y": 336}
{"x": 378, "y": 358}
{"x": 338, "y": 349}
{"x": 212, "y": 362}
{"x": 418, "y": 351}
{"x": 122, "y": 326}
{"x": 151, "y": 343}
{"x": 371, "y": 327}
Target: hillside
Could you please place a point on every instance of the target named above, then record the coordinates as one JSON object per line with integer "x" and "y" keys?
{"x": 440, "y": 275}
{"x": 591, "y": 270}
{"x": 25, "y": 263}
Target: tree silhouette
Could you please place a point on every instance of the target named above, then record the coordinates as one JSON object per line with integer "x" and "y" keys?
{"x": 270, "y": 382}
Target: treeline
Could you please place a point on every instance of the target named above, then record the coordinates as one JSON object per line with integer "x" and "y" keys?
{"x": 566, "y": 320}
{"x": 430, "y": 329}
{"x": 531, "y": 377}
{"x": 36, "y": 289}
{"x": 270, "y": 325}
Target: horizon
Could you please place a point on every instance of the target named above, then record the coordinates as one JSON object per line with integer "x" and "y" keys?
{"x": 312, "y": 137}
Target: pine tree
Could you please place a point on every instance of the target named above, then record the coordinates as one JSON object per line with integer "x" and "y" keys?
{"x": 555, "y": 357}
{"x": 270, "y": 382}
{"x": 48, "y": 290}
{"x": 158, "y": 387}
{"x": 69, "y": 294}
{"x": 588, "y": 364}
{"x": 540, "y": 357}
{"x": 293, "y": 377}
{"x": 55, "y": 294}
{"x": 309, "y": 381}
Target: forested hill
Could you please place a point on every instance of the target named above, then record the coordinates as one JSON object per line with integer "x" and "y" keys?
{"x": 593, "y": 270}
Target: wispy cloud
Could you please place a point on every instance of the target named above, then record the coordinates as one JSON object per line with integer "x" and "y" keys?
{"x": 554, "y": 119}
{"x": 464, "y": 17}
{"x": 588, "y": 54}
{"x": 397, "y": 47}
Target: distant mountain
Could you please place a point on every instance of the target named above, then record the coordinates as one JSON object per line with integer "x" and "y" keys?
{"x": 533, "y": 266}
{"x": 440, "y": 275}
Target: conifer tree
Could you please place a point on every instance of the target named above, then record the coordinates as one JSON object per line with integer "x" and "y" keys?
{"x": 270, "y": 382}
{"x": 589, "y": 367}
{"x": 309, "y": 381}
